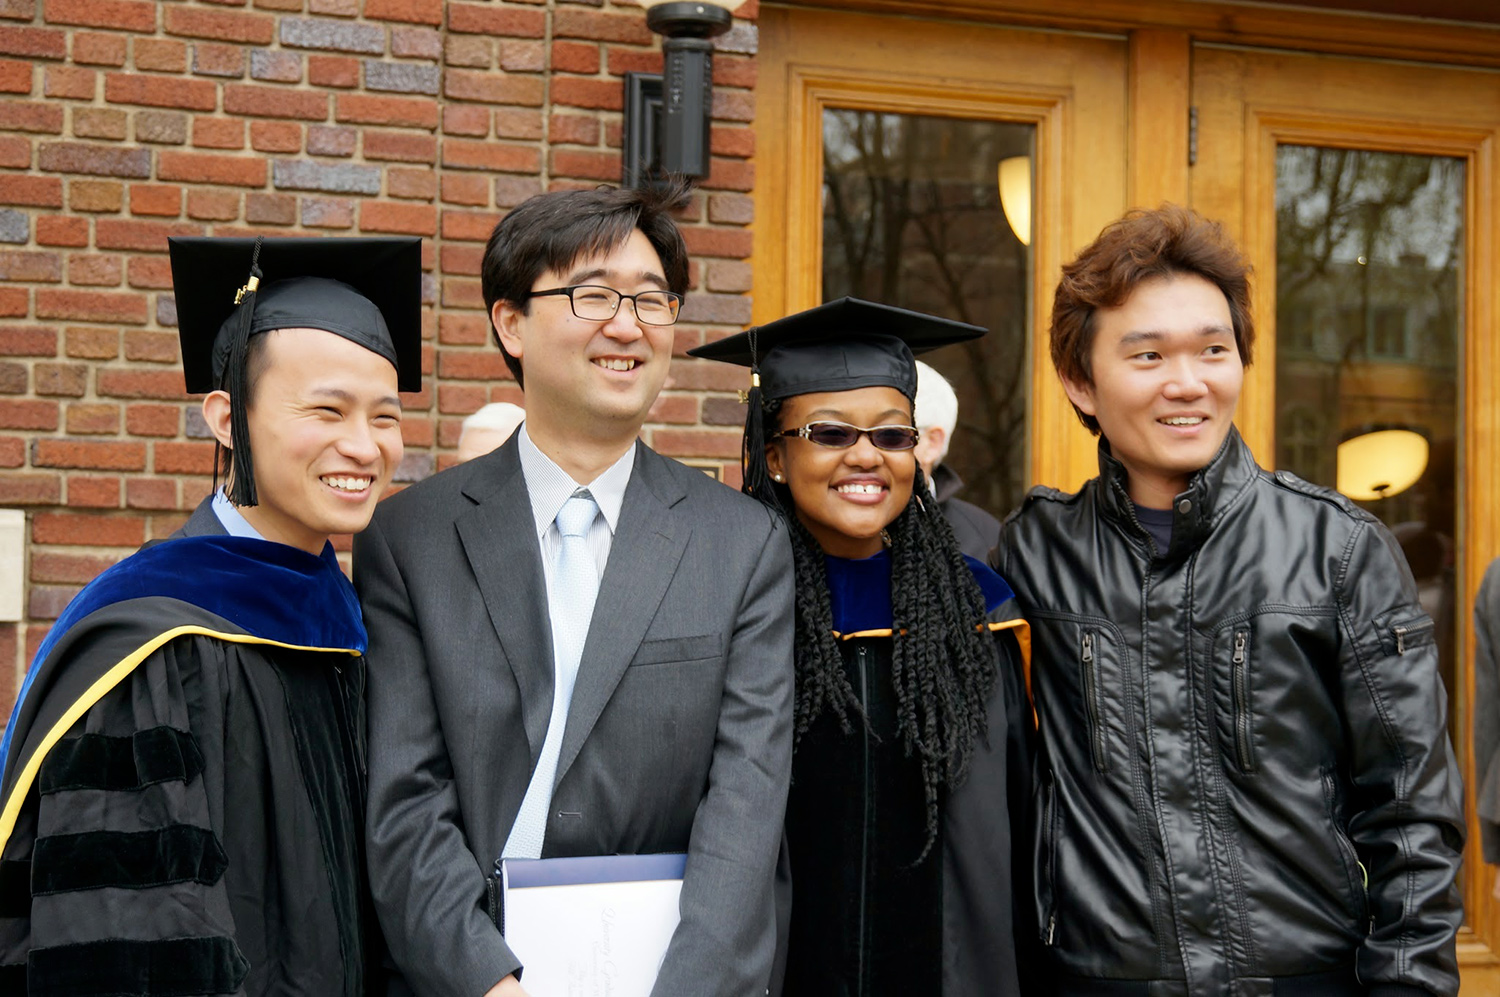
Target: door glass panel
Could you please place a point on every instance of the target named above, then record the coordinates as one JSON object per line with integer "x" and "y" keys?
{"x": 1369, "y": 305}
{"x": 913, "y": 216}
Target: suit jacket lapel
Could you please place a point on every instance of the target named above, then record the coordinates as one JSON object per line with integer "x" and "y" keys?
{"x": 204, "y": 522}
{"x": 643, "y": 557}
{"x": 499, "y": 540}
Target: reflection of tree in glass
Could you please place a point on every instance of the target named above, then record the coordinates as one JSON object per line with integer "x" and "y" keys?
{"x": 912, "y": 217}
{"x": 1369, "y": 247}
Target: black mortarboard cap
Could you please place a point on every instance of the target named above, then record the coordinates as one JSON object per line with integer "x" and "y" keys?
{"x": 367, "y": 290}
{"x": 838, "y": 346}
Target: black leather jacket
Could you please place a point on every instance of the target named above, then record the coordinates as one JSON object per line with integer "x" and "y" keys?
{"x": 1245, "y": 768}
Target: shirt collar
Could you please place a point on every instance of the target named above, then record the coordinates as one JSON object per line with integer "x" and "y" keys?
{"x": 233, "y": 521}
{"x": 550, "y": 486}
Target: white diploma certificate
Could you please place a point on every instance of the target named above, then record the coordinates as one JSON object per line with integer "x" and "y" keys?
{"x": 595, "y": 926}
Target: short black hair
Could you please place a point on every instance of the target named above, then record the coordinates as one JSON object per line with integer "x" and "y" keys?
{"x": 553, "y": 231}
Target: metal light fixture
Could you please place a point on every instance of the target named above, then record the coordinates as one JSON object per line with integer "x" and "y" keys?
{"x": 1381, "y": 463}
{"x": 668, "y": 117}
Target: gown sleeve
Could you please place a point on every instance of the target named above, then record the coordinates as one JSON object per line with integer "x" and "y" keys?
{"x": 119, "y": 833}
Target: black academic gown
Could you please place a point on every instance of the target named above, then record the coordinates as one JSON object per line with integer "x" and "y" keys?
{"x": 183, "y": 802}
{"x": 868, "y": 920}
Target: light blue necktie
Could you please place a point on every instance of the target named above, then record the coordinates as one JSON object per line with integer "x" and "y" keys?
{"x": 570, "y": 603}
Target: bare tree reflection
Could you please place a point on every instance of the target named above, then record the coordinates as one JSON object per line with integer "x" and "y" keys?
{"x": 1368, "y": 251}
{"x": 912, "y": 217}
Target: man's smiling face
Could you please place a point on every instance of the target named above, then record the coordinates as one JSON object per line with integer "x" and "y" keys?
{"x": 597, "y": 379}
{"x": 1166, "y": 377}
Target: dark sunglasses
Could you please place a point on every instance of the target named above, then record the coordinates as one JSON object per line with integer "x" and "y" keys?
{"x": 841, "y": 435}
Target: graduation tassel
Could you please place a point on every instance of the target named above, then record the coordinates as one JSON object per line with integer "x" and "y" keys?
{"x": 236, "y": 381}
{"x": 757, "y": 476}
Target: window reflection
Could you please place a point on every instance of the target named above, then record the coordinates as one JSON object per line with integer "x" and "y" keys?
{"x": 1368, "y": 304}
{"x": 912, "y": 216}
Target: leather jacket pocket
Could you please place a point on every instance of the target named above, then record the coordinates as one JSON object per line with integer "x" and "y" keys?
{"x": 1088, "y": 670}
{"x": 1354, "y": 870}
{"x": 1239, "y": 694}
{"x": 1234, "y": 681}
{"x": 1407, "y": 634}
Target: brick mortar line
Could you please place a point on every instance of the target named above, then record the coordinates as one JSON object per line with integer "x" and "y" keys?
{"x": 545, "y": 177}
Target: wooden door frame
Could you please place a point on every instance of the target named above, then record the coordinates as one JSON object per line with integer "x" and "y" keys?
{"x": 1237, "y": 22}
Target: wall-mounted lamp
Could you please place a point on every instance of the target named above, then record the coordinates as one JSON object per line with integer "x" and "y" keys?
{"x": 1381, "y": 463}
{"x": 668, "y": 118}
{"x": 1015, "y": 195}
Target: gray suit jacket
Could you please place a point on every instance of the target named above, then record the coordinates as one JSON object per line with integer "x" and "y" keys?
{"x": 204, "y": 522}
{"x": 678, "y": 736}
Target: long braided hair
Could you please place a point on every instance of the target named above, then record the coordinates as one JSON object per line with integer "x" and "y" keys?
{"x": 944, "y": 663}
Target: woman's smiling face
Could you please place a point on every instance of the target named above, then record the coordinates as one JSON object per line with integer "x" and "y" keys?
{"x": 845, "y": 497}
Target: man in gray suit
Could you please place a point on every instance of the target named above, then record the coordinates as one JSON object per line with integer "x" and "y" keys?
{"x": 540, "y": 686}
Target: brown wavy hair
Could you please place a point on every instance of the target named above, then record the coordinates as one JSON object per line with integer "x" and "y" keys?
{"x": 1143, "y": 245}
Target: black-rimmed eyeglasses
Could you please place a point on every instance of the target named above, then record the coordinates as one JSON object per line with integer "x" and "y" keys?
{"x": 596, "y": 303}
{"x": 841, "y": 435}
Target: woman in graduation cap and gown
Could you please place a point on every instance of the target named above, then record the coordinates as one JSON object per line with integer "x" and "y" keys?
{"x": 911, "y": 721}
{"x": 183, "y": 787}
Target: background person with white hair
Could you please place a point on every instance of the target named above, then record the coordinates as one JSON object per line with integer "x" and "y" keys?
{"x": 487, "y": 428}
{"x": 936, "y": 416}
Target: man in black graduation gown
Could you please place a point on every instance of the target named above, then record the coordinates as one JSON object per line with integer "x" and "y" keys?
{"x": 183, "y": 795}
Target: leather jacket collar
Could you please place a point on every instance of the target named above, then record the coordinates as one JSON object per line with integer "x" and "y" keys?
{"x": 1210, "y": 492}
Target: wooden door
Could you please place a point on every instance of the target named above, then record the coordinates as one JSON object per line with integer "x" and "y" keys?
{"x": 1070, "y": 92}
{"x": 1363, "y": 192}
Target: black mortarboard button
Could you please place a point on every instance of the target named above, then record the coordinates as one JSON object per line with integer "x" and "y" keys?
{"x": 838, "y": 346}
{"x": 367, "y": 290}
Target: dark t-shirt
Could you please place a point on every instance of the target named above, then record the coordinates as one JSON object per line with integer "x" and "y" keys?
{"x": 1158, "y": 523}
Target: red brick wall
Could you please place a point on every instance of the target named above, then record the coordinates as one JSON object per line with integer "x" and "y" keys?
{"x": 123, "y": 122}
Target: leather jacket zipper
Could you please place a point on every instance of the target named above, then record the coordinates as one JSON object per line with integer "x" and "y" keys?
{"x": 1412, "y": 633}
{"x": 862, "y": 659}
{"x": 1049, "y": 841}
{"x": 1091, "y": 699}
{"x": 1240, "y": 677}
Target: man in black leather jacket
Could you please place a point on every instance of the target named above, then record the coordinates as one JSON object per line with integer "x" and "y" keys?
{"x": 1247, "y": 787}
